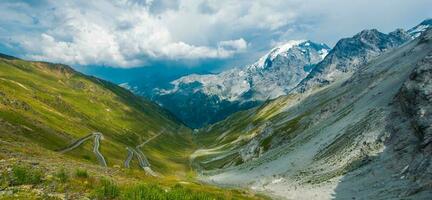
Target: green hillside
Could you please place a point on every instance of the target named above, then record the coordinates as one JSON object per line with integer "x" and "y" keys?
{"x": 45, "y": 108}
{"x": 52, "y": 105}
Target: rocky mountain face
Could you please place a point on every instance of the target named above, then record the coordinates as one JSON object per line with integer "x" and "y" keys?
{"x": 295, "y": 66}
{"x": 417, "y": 30}
{"x": 350, "y": 53}
{"x": 205, "y": 99}
{"x": 364, "y": 136}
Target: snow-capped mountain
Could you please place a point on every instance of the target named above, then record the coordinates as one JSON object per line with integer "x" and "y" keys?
{"x": 367, "y": 136}
{"x": 350, "y": 53}
{"x": 212, "y": 97}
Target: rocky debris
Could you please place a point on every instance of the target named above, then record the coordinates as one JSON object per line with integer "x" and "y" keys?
{"x": 256, "y": 147}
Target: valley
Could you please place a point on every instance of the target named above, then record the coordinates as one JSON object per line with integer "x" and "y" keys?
{"x": 54, "y": 118}
{"x": 305, "y": 121}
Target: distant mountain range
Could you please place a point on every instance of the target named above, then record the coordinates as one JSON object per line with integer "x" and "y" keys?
{"x": 200, "y": 100}
{"x": 359, "y": 127}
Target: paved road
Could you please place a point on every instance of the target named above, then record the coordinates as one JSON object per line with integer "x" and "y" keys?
{"x": 97, "y": 136}
{"x": 150, "y": 139}
{"x": 129, "y": 157}
{"x": 142, "y": 160}
{"x": 96, "y": 149}
{"x": 77, "y": 143}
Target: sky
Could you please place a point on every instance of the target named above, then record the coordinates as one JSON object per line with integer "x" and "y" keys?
{"x": 198, "y": 35}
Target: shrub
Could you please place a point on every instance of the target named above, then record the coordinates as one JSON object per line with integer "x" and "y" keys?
{"x": 4, "y": 181}
{"x": 81, "y": 173}
{"x": 107, "y": 190}
{"x": 25, "y": 175}
{"x": 62, "y": 175}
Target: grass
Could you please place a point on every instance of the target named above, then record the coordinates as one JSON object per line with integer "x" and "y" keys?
{"x": 107, "y": 190}
{"x": 57, "y": 181}
{"x": 25, "y": 175}
{"x": 81, "y": 173}
{"x": 53, "y": 105}
{"x": 155, "y": 192}
{"x": 45, "y": 107}
{"x": 62, "y": 175}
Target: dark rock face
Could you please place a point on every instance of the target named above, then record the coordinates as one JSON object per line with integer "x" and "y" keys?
{"x": 349, "y": 54}
{"x": 416, "y": 100}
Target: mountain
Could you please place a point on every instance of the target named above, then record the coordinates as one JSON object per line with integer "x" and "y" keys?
{"x": 350, "y": 53}
{"x": 417, "y": 30}
{"x": 66, "y": 135}
{"x": 364, "y": 136}
{"x": 52, "y": 105}
{"x": 204, "y": 99}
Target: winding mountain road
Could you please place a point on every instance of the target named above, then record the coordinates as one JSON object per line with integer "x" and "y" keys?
{"x": 142, "y": 159}
{"x": 96, "y": 144}
{"x": 76, "y": 143}
{"x": 97, "y": 137}
{"x": 129, "y": 157}
{"x": 150, "y": 139}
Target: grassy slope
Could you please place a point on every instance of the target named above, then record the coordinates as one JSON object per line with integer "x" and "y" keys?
{"x": 52, "y": 105}
{"x": 44, "y": 107}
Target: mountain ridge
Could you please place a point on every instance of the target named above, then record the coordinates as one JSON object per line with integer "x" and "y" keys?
{"x": 63, "y": 105}
{"x": 347, "y": 139}
{"x": 215, "y": 96}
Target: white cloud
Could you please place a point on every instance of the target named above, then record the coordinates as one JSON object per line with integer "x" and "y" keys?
{"x": 121, "y": 35}
{"x": 236, "y": 45}
{"x": 125, "y": 33}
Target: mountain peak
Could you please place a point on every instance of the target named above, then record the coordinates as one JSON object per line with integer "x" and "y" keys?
{"x": 367, "y": 32}
{"x": 282, "y": 50}
{"x": 417, "y": 30}
{"x": 426, "y": 22}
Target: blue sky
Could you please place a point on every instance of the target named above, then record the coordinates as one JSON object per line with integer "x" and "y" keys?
{"x": 193, "y": 34}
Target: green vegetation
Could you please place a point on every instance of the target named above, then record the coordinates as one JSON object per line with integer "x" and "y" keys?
{"x": 154, "y": 192}
{"x": 46, "y": 107}
{"x": 62, "y": 175}
{"x": 107, "y": 190}
{"x": 22, "y": 175}
{"x": 104, "y": 187}
{"x": 81, "y": 173}
{"x": 52, "y": 105}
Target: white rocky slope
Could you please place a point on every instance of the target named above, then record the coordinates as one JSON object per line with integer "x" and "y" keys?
{"x": 213, "y": 97}
{"x": 367, "y": 136}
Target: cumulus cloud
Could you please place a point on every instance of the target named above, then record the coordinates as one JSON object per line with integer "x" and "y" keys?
{"x": 121, "y": 34}
{"x": 128, "y": 33}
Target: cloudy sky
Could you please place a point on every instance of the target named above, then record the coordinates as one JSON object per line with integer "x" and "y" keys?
{"x": 134, "y": 33}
